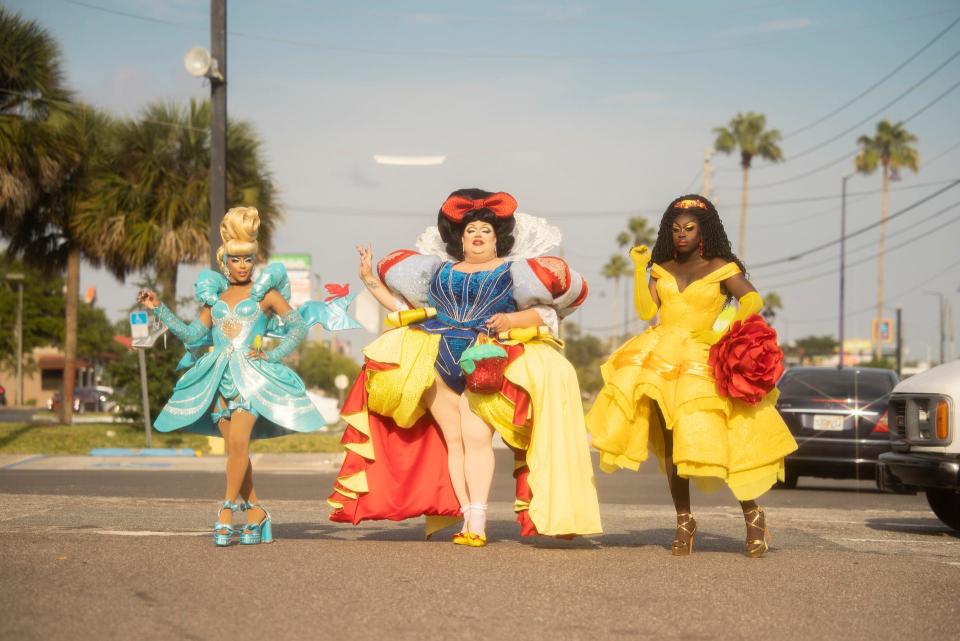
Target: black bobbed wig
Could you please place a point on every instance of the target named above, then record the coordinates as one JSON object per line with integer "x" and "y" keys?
{"x": 452, "y": 232}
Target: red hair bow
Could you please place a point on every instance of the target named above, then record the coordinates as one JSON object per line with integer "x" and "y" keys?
{"x": 501, "y": 204}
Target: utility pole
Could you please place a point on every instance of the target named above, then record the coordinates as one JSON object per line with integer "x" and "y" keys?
{"x": 899, "y": 342}
{"x": 707, "y": 191}
{"x": 942, "y": 333}
{"x": 218, "y": 125}
{"x": 843, "y": 258}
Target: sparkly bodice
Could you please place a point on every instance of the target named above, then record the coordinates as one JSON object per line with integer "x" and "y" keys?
{"x": 467, "y": 300}
{"x": 698, "y": 305}
{"x": 236, "y": 327}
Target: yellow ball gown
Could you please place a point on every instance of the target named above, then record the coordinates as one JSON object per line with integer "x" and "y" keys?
{"x": 716, "y": 440}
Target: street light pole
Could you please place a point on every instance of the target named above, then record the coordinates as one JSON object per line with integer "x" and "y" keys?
{"x": 942, "y": 337}
{"x": 218, "y": 124}
{"x": 843, "y": 257}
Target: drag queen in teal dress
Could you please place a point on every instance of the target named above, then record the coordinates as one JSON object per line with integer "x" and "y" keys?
{"x": 233, "y": 388}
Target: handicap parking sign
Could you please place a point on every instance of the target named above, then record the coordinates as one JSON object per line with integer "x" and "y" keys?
{"x": 139, "y": 324}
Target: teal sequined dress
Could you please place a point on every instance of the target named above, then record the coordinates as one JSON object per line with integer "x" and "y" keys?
{"x": 265, "y": 388}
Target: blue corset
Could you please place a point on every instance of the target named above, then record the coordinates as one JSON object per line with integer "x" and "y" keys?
{"x": 464, "y": 302}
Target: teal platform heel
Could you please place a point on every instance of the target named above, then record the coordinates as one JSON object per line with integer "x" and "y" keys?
{"x": 261, "y": 532}
{"x": 223, "y": 532}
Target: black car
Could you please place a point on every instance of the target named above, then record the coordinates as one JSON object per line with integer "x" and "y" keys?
{"x": 839, "y": 419}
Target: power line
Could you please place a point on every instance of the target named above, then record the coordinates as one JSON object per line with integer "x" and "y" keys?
{"x": 870, "y": 257}
{"x": 850, "y": 154}
{"x": 874, "y": 85}
{"x": 876, "y": 113}
{"x": 862, "y": 230}
{"x": 843, "y": 133}
{"x": 872, "y": 307}
{"x": 490, "y": 55}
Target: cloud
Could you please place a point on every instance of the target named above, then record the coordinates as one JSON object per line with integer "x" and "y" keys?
{"x": 634, "y": 98}
{"x": 771, "y": 26}
{"x": 551, "y": 12}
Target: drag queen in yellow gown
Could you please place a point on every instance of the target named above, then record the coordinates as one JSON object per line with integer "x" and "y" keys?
{"x": 659, "y": 389}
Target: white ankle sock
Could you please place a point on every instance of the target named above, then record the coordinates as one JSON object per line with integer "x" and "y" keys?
{"x": 465, "y": 511}
{"x": 477, "y": 523}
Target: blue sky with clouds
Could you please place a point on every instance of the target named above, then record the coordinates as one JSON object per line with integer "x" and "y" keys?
{"x": 588, "y": 112}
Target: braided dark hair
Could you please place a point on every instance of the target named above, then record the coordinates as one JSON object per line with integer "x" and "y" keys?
{"x": 452, "y": 233}
{"x": 715, "y": 241}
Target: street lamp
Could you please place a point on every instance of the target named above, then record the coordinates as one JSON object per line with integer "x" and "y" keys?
{"x": 843, "y": 257}
{"x": 940, "y": 296}
{"x": 18, "y": 279}
{"x": 212, "y": 64}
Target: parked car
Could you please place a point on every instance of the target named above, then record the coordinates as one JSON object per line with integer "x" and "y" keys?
{"x": 839, "y": 419}
{"x": 3, "y": 396}
{"x": 86, "y": 399}
{"x": 925, "y": 452}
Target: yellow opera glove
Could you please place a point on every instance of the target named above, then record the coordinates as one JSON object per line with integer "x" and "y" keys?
{"x": 406, "y": 317}
{"x": 749, "y": 304}
{"x": 642, "y": 299}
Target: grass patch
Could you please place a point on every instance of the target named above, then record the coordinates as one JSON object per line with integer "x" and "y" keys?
{"x": 23, "y": 438}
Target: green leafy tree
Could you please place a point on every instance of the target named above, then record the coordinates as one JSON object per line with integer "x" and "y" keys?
{"x": 319, "y": 365}
{"x": 585, "y": 352}
{"x": 42, "y": 312}
{"x": 748, "y": 133}
{"x": 892, "y": 150}
{"x": 153, "y": 207}
{"x": 809, "y": 347}
{"x": 124, "y": 376}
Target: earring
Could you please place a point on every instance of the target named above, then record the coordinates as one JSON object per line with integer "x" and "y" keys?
{"x": 225, "y": 270}
{"x": 701, "y": 248}
{"x": 674, "y": 253}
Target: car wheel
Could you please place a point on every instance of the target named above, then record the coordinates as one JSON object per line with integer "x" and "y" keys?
{"x": 946, "y": 505}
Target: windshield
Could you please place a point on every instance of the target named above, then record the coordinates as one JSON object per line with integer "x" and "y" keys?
{"x": 847, "y": 383}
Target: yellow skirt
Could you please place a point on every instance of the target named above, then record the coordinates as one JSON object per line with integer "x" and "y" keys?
{"x": 553, "y": 434}
{"x": 716, "y": 440}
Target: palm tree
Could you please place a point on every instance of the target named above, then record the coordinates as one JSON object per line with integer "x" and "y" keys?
{"x": 638, "y": 232}
{"x": 771, "y": 303}
{"x": 615, "y": 269}
{"x": 48, "y": 156}
{"x": 47, "y": 236}
{"x": 891, "y": 149}
{"x": 31, "y": 88}
{"x": 153, "y": 209}
{"x": 748, "y": 133}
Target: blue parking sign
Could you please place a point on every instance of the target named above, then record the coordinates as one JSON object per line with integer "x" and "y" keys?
{"x": 139, "y": 324}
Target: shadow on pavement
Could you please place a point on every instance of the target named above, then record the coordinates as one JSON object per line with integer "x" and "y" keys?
{"x": 931, "y": 527}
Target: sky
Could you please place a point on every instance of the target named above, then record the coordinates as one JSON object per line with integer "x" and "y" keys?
{"x": 587, "y": 112}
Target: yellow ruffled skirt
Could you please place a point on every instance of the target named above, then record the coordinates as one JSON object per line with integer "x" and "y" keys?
{"x": 716, "y": 440}
{"x": 551, "y": 433}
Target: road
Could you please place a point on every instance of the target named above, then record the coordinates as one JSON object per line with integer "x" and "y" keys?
{"x": 120, "y": 549}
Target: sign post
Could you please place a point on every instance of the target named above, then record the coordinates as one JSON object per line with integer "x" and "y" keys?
{"x": 140, "y": 328}
{"x": 340, "y": 381}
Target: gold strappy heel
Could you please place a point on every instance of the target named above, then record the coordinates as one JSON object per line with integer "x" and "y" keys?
{"x": 756, "y": 518}
{"x": 683, "y": 545}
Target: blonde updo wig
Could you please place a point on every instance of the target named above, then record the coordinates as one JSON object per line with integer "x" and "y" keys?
{"x": 239, "y": 232}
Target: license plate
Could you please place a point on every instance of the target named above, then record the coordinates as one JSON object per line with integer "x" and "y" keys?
{"x": 827, "y": 423}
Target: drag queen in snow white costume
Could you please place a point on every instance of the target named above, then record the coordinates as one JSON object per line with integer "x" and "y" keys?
{"x": 235, "y": 389}
{"x": 422, "y": 413}
{"x": 670, "y": 389}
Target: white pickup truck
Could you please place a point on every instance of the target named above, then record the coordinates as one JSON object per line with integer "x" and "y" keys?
{"x": 926, "y": 447}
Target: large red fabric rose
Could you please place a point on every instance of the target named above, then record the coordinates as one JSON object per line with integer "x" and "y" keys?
{"x": 748, "y": 361}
